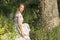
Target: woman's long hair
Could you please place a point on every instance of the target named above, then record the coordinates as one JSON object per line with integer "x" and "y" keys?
{"x": 17, "y": 9}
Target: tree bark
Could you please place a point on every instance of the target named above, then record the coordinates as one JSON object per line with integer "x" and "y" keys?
{"x": 48, "y": 13}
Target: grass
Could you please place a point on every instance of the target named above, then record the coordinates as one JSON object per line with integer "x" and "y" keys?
{"x": 44, "y": 34}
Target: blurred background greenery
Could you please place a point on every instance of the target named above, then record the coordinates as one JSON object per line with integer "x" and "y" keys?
{"x": 7, "y": 10}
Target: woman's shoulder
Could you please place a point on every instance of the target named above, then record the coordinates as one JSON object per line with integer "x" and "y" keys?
{"x": 18, "y": 14}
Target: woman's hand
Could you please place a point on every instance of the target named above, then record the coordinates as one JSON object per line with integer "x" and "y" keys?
{"x": 22, "y": 34}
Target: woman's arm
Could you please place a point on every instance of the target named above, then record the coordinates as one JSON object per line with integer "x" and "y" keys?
{"x": 20, "y": 25}
{"x": 19, "y": 21}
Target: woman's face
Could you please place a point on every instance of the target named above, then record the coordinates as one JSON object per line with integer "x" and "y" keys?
{"x": 21, "y": 8}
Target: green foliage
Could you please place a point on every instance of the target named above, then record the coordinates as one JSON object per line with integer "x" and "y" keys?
{"x": 44, "y": 34}
{"x": 7, "y": 9}
{"x": 59, "y": 7}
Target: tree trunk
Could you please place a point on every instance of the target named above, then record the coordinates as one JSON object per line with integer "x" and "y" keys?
{"x": 48, "y": 13}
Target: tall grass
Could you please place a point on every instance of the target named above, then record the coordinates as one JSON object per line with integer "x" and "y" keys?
{"x": 37, "y": 32}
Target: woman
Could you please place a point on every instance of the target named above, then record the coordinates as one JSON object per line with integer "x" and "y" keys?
{"x": 21, "y": 28}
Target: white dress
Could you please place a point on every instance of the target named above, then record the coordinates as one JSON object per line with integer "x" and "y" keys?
{"x": 25, "y": 28}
